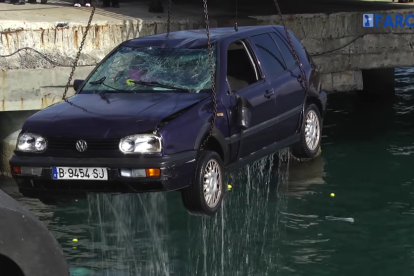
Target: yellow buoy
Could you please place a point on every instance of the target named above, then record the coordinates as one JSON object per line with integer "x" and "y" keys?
{"x": 75, "y": 240}
{"x": 229, "y": 186}
{"x": 332, "y": 194}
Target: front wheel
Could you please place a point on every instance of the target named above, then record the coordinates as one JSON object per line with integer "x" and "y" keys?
{"x": 203, "y": 197}
{"x": 310, "y": 135}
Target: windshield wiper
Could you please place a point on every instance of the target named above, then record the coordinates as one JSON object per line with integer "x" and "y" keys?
{"x": 157, "y": 84}
{"x": 102, "y": 94}
{"x": 100, "y": 81}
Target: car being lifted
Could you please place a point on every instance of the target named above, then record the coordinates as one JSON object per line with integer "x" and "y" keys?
{"x": 141, "y": 119}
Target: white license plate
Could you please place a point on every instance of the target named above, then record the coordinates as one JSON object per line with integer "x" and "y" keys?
{"x": 79, "y": 173}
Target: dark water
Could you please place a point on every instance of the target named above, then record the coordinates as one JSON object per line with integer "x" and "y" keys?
{"x": 276, "y": 221}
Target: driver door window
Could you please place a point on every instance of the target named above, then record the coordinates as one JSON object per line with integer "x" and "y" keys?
{"x": 241, "y": 68}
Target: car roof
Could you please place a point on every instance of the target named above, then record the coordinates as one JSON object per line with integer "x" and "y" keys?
{"x": 194, "y": 38}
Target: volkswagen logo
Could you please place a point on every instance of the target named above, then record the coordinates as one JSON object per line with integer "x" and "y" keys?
{"x": 81, "y": 145}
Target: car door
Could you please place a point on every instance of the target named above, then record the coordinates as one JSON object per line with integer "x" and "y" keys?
{"x": 278, "y": 77}
{"x": 289, "y": 93}
{"x": 245, "y": 78}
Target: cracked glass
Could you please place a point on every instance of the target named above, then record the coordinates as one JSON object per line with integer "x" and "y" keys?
{"x": 155, "y": 69}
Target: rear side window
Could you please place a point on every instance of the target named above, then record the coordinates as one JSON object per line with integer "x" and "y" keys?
{"x": 271, "y": 58}
{"x": 286, "y": 52}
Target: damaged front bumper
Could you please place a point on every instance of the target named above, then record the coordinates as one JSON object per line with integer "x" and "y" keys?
{"x": 35, "y": 174}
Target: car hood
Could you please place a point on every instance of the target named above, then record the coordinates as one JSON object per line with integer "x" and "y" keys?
{"x": 90, "y": 116}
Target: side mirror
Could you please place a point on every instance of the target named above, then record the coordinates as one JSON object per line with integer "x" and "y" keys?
{"x": 244, "y": 113}
{"x": 77, "y": 84}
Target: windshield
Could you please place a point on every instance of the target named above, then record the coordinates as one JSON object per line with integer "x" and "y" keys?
{"x": 153, "y": 69}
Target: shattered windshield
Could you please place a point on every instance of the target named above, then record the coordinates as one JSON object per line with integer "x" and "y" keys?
{"x": 153, "y": 69}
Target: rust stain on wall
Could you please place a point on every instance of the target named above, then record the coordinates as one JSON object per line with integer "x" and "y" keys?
{"x": 97, "y": 33}
{"x": 3, "y": 105}
{"x": 46, "y": 100}
{"x": 8, "y": 43}
{"x": 3, "y": 78}
{"x": 42, "y": 38}
{"x": 10, "y": 33}
{"x": 21, "y": 104}
{"x": 75, "y": 38}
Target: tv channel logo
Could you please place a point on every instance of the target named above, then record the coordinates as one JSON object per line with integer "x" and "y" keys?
{"x": 368, "y": 20}
{"x": 378, "y": 20}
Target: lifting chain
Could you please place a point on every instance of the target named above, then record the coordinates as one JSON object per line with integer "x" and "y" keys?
{"x": 213, "y": 83}
{"x": 302, "y": 77}
{"x": 75, "y": 63}
{"x": 169, "y": 17}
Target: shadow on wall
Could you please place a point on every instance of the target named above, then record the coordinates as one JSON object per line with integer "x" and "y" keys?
{"x": 7, "y": 147}
{"x": 11, "y": 123}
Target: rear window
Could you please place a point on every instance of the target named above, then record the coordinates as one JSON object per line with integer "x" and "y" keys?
{"x": 270, "y": 55}
{"x": 286, "y": 51}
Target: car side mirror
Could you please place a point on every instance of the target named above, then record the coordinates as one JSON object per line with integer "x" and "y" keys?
{"x": 244, "y": 113}
{"x": 77, "y": 84}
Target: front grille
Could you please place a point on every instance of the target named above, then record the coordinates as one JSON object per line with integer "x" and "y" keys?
{"x": 69, "y": 143}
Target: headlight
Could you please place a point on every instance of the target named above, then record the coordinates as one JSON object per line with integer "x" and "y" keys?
{"x": 29, "y": 142}
{"x": 140, "y": 143}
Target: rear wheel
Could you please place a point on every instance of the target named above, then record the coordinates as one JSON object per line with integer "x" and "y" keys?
{"x": 204, "y": 196}
{"x": 310, "y": 136}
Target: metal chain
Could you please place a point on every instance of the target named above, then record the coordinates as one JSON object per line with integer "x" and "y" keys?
{"x": 302, "y": 78}
{"x": 75, "y": 63}
{"x": 169, "y": 17}
{"x": 213, "y": 85}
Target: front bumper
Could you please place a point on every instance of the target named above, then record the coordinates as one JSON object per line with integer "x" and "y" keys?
{"x": 176, "y": 172}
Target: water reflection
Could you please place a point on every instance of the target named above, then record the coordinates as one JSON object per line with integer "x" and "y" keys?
{"x": 152, "y": 234}
{"x": 302, "y": 175}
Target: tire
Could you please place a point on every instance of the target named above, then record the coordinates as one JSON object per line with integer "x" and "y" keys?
{"x": 193, "y": 196}
{"x": 303, "y": 149}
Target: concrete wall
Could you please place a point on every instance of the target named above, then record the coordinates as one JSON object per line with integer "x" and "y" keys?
{"x": 24, "y": 88}
{"x": 359, "y": 47}
{"x": 35, "y": 89}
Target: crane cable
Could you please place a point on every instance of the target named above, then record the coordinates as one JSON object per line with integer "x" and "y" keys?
{"x": 75, "y": 63}
{"x": 302, "y": 77}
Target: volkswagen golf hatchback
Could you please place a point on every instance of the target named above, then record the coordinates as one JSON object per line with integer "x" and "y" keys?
{"x": 142, "y": 121}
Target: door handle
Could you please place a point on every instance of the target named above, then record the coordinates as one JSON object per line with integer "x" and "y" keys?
{"x": 269, "y": 93}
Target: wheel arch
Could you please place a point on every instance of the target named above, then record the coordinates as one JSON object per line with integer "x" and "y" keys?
{"x": 216, "y": 142}
{"x": 315, "y": 100}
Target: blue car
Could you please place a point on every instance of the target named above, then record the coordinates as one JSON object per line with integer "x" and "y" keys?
{"x": 142, "y": 120}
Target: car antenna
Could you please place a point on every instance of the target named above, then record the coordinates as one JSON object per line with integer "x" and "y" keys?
{"x": 235, "y": 25}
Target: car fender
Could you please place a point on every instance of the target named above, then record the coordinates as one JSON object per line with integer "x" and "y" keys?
{"x": 216, "y": 134}
{"x": 313, "y": 96}
{"x": 313, "y": 93}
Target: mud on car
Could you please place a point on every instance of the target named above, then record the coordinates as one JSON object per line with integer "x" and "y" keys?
{"x": 141, "y": 119}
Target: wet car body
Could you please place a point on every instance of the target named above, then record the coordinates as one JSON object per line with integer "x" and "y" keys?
{"x": 182, "y": 120}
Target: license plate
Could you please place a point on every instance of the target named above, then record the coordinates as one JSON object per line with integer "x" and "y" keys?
{"x": 79, "y": 173}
